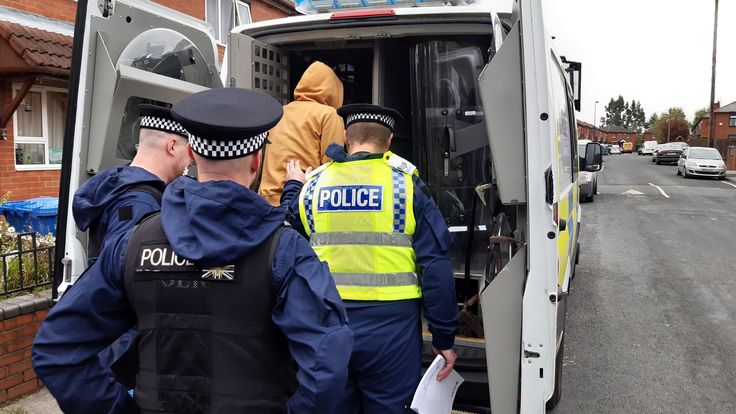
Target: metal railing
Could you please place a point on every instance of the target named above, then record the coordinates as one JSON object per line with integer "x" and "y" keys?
{"x": 26, "y": 266}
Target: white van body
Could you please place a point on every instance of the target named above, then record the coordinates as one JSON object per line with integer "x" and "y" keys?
{"x": 490, "y": 122}
{"x": 648, "y": 147}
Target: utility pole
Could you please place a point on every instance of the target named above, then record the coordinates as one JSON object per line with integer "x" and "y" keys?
{"x": 711, "y": 119}
{"x": 669, "y": 118}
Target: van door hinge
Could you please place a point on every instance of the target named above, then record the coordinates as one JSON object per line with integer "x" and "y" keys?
{"x": 106, "y": 7}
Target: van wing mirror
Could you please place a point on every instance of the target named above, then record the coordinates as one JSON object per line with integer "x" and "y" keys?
{"x": 593, "y": 160}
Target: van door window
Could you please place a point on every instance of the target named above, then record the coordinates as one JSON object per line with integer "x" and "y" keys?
{"x": 450, "y": 138}
{"x": 164, "y": 52}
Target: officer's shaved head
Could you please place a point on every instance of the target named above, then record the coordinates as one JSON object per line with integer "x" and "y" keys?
{"x": 148, "y": 137}
{"x": 367, "y": 132}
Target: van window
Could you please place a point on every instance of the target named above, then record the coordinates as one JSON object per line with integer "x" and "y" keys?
{"x": 164, "y": 52}
{"x": 565, "y": 146}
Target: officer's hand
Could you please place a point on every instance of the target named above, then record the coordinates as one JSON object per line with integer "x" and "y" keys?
{"x": 294, "y": 171}
{"x": 450, "y": 357}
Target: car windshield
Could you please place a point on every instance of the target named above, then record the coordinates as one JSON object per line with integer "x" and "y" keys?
{"x": 705, "y": 154}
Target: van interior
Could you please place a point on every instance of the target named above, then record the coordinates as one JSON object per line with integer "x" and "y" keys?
{"x": 433, "y": 82}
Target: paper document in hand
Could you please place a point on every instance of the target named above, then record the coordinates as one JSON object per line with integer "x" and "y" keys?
{"x": 436, "y": 397}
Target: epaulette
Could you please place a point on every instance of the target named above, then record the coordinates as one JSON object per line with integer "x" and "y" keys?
{"x": 318, "y": 170}
{"x": 398, "y": 163}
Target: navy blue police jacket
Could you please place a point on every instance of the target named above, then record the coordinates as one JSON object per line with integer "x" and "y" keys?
{"x": 100, "y": 201}
{"x": 210, "y": 224}
{"x": 431, "y": 242}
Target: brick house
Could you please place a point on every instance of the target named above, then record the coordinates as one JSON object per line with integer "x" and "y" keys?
{"x": 724, "y": 137}
{"x": 613, "y": 134}
{"x": 35, "y": 62}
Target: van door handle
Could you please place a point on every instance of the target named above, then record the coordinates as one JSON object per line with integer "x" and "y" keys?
{"x": 563, "y": 224}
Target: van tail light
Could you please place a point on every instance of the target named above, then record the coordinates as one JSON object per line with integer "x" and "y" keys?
{"x": 362, "y": 14}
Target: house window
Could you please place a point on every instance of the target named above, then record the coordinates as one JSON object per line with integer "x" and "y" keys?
{"x": 38, "y": 127}
{"x": 732, "y": 120}
{"x": 223, "y": 15}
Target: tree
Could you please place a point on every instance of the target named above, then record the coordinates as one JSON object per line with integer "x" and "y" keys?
{"x": 702, "y": 112}
{"x": 614, "y": 112}
{"x": 673, "y": 121}
{"x": 629, "y": 115}
{"x": 652, "y": 120}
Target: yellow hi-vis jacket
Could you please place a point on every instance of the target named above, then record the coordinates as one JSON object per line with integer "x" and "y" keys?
{"x": 360, "y": 219}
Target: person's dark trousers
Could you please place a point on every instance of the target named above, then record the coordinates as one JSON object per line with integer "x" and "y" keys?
{"x": 385, "y": 364}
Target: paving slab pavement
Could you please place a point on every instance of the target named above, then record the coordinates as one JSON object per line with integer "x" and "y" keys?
{"x": 40, "y": 402}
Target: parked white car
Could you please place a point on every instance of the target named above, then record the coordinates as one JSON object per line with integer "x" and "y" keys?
{"x": 615, "y": 150}
{"x": 701, "y": 162}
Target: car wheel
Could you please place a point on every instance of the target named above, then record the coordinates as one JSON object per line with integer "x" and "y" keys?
{"x": 658, "y": 163}
{"x": 678, "y": 171}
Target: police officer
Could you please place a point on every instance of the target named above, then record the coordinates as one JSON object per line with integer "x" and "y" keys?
{"x": 225, "y": 297}
{"x": 110, "y": 203}
{"x": 373, "y": 220}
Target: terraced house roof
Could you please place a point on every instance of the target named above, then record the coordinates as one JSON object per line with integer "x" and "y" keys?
{"x": 41, "y": 51}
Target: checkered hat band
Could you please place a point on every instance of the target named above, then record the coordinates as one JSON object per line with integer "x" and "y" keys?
{"x": 221, "y": 149}
{"x": 162, "y": 124}
{"x": 386, "y": 120}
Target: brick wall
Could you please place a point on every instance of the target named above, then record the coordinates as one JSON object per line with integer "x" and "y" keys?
{"x": 64, "y": 10}
{"x": 261, "y": 11}
{"x": 22, "y": 185}
{"x": 20, "y": 319}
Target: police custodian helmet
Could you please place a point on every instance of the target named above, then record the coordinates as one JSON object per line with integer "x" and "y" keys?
{"x": 227, "y": 123}
{"x": 160, "y": 119}
{"x": 355, "y": 113}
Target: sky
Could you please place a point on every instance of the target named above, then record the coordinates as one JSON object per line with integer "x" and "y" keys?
{"x": 658, "y": 52}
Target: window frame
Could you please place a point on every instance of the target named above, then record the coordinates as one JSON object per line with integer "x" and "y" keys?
{"x": 237, "y": 18}
{"x": 44, "y": 140}
{"x": 732, "y": 120}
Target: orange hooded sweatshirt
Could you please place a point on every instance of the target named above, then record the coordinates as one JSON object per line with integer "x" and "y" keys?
{"x": 309, "y": 125}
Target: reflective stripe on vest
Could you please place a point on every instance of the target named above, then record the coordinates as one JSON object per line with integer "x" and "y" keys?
{"x": 378, "y": 239}
{"x": 360, "y": 218}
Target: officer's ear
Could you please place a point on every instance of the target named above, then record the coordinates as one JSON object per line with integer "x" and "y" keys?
{"x": 388, "y": 142}
{"x": 191, "y": 154}
{"x": 255, "y": 162}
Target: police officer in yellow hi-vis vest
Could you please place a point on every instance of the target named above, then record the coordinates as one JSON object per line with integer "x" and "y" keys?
{"x": 370, "y": 217}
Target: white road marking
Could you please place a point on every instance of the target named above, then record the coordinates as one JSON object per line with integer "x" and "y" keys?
{"x": 660, "y": 190}
{"x": 632, "y": 193}
{"x": 727, "y": 183}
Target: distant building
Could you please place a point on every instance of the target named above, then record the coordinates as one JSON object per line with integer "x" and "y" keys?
{"x": 724, "y": 136}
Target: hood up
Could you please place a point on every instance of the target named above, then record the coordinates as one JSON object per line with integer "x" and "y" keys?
{"x": 217, "y": 222}
{"x": 319, "y": 84}
{"x": 93, "y": 197}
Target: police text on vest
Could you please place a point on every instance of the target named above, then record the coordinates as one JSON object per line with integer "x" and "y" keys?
{"x": 350, "y": 198}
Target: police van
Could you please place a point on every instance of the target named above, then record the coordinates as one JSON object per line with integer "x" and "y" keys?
{"x": 490, "y": 124}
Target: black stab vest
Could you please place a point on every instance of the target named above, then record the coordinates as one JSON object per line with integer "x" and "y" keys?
{"x": 207, "y": 343}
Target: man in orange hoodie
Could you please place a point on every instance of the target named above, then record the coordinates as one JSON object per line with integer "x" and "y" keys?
{"x": 309, "y": 125}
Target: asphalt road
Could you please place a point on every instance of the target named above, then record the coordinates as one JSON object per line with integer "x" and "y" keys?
{"x": 651, "y": 323}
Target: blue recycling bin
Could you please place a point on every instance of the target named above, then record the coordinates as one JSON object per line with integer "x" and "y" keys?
{"x": 37, "y": 214}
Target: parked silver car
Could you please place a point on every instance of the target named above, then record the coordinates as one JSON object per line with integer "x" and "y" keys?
{"x": 587, "y": 181}
{"x": 701, "y": 162}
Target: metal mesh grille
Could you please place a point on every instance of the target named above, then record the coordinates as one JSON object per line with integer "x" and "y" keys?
{"x": 270, "y": 71}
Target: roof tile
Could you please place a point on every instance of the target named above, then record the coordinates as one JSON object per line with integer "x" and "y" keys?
{"x": 38, "y": 47}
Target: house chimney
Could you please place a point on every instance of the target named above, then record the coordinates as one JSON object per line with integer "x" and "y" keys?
{"x": 716, "y": 105}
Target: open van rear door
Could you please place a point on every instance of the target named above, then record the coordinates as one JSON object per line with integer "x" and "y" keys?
{"x": 126, "y": 52}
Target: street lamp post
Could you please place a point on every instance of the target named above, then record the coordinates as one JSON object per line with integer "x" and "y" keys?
{"x": 595, "y": 109}
{"x": 711, "y": 117}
